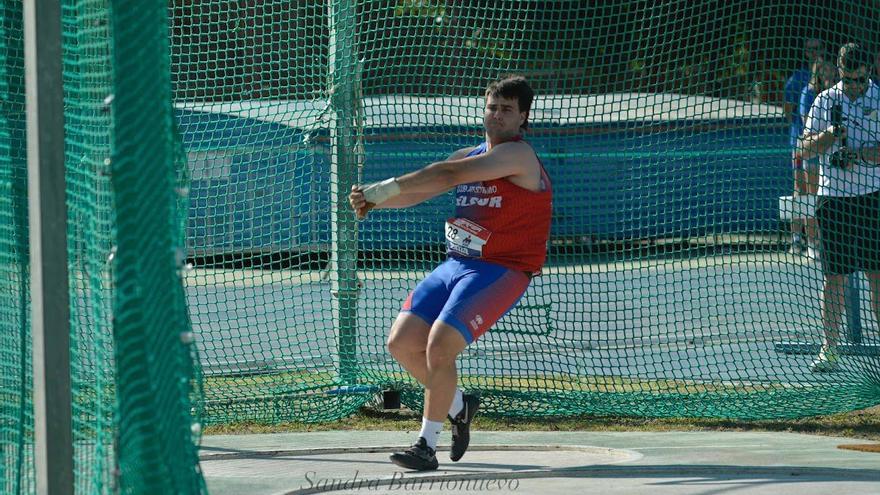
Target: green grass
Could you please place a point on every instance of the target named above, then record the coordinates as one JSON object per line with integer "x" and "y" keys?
{"x": 864, "y": 424}
{"x": 242, "y": 384}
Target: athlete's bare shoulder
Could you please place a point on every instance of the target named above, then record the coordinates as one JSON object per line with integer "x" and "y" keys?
{"x": 520, "y": 155}
{"x": 519, "y": 151}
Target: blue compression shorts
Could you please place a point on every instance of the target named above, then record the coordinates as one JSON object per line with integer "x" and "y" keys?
{"x": 467, "y": 294}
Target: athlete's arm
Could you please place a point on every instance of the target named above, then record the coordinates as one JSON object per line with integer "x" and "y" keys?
{"x": 510, "y": 160}
{"x": 410, "y": 198}
{"x": 402, "y": 200}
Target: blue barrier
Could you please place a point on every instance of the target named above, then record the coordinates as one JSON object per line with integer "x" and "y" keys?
{"x": 264, "y": 187}
{"x": 254, "y": 187}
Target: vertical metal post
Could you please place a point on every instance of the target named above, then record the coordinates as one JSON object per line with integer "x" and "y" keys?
{"x": 853, "y": 308}
{"x": 344, "y": 166}
{"x": 50, "y": 323}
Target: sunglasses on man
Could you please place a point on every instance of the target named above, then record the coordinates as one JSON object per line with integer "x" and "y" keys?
{"x": 855, "y": 80}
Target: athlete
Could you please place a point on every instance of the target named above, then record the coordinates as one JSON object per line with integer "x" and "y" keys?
{"x": 496, "y": 243}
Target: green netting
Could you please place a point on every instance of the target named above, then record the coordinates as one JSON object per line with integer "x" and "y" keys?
{"x": 131, "y": 355}
{"x": 669, "y": 290}
{"x": 87, "y": 49}
{"x": 156, "y": 452}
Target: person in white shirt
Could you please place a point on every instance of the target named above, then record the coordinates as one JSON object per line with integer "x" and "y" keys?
{"x": 843, "y": 130}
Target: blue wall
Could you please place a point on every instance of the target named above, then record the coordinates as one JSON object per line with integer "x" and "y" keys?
{"x": 266, "y": 186}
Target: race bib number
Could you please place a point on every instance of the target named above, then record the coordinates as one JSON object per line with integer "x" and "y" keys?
{"x": 465, "y": 237}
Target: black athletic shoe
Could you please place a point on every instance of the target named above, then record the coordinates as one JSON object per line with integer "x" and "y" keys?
{"x": 461, "y": 426}
{"x": 419, "y": 457}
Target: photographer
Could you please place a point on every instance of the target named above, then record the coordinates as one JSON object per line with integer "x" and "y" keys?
{"x": 842, "y": 130}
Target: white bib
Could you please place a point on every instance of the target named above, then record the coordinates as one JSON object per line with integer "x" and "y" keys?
{"x": 466, "y": 237}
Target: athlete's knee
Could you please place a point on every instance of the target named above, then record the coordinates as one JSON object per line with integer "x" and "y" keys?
{"x": 400, "y": 345}
{"x": 444, "y": 346}
{"x": 440, "y": 357}
{"x": 403, "y": 351}
{"x": 409, "y": 335}
{"x": 395, "y": 347}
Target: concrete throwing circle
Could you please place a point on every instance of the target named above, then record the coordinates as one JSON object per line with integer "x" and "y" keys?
{"x": 369, "y": 469}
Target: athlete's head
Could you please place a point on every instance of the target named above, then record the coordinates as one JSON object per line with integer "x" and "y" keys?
{"x": 508, "y": 102}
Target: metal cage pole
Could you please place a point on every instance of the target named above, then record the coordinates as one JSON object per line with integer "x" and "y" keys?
{"x": 50, "y": 322}
{"x": 344, "y": 167}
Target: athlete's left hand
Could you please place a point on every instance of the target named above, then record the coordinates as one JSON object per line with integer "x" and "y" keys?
{"x": 360, "y": 205}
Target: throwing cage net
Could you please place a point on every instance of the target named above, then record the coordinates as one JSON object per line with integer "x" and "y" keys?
{"x": 132, "y": 368}
{"x": 668, "y": 291}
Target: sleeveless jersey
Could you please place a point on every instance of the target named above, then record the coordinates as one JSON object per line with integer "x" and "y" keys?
{"x": 500, "y": 222}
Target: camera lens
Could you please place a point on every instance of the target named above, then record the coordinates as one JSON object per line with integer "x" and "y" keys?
{"x": 837, "y": 160}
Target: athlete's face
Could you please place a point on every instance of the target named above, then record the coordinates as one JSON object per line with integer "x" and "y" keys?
{"x": 502, "y": 117}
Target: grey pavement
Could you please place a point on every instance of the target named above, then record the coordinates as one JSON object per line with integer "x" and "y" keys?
{"x": 652, "y": 319}
{"x": 546, "y": 463}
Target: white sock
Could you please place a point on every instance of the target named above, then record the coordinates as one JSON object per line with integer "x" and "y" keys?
{"x": 431, "y": 431}
{"x": 457, "y": 403}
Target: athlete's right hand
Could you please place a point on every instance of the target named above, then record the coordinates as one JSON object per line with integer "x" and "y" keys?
{"x": 360, "y": 205}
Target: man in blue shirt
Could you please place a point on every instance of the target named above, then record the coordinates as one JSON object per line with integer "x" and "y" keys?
{"x": 813, "y": 51}
{"x": 824, "y": 75}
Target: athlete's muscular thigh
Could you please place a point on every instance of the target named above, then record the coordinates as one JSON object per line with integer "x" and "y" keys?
{"x": 409, "y": 334}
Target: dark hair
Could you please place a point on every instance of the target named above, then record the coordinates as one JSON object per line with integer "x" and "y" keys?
{"x": 514, "y": 87}
{"x": 852, "y": 56}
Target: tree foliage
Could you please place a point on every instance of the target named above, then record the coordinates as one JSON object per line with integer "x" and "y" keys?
{"x": 247, "y": 49}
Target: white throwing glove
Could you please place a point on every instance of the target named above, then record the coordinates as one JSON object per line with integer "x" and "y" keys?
{"x": 380, "y": 192}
